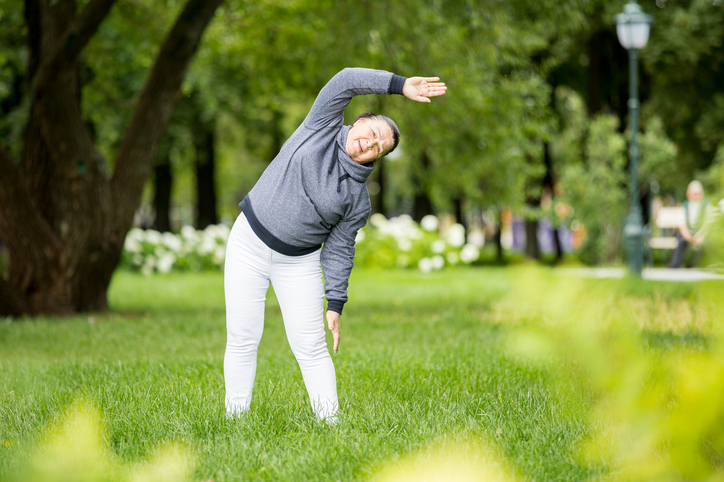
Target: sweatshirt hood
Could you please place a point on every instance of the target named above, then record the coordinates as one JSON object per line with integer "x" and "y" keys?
{"x": 358, "y": 172}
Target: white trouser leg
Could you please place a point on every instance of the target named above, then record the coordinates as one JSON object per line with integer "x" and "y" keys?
{"x": 246, "y": 281}
{"x": 297, "y": 282}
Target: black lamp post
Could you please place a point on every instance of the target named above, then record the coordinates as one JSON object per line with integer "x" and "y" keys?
{"x": 632, "y": 28}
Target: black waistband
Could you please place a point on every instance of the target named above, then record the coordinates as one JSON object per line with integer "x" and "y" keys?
{"x": 268, "y": 238}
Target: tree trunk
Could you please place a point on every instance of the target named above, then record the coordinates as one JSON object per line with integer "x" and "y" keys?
{"x": 558, "y": 245}
{"x": 459, "y": 212}
{"x": 163, "y": 181}
{"x": 381, "y": 205}
{"x": 594, "y": 99}
{"x": 205, "y": 184}
{"x": 422, "y": 205}
{"x": 549, "y": 186}
{"x": 62, "y": 221}
{"x": 531, "y": 238}
{"x": 499, "y": 238}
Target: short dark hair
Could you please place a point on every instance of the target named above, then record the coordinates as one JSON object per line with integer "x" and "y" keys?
{"x": 390, "y": 123}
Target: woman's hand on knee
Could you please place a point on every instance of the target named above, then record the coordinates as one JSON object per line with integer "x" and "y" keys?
{"x": 333, "y": 325}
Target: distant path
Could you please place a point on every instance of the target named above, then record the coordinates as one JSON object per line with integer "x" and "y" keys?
{"x": 655, "y": 274}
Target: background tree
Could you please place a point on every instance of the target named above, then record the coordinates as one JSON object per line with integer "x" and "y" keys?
{"x": 685, "y": 60}
{"x": 63, "y": 215}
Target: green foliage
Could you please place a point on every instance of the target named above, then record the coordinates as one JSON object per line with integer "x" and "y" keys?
{"x": 657, "y": 412}
{"x": 75, "y": 449}
{"x": 713, "y": 257}
{"x": 593, "y": 182}
{"x": 116, "y": 63}
{"x": 658, "y": 156}
{"x": 13, "y": 57}
{"x": 713, "y": 178}
{"x": 262, "y": 63}
{"x": 685, "y": 59}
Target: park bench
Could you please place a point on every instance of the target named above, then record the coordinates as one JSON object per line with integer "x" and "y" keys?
{"x": 662, "y": 236}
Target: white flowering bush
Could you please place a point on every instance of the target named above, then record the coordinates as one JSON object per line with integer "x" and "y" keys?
{"x": 149, "y": 251}
{"x": 384, "y": 243}
{"x": 401, "y": 242}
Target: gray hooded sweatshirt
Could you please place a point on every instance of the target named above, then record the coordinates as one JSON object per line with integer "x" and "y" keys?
{"x": 313, "y": 193}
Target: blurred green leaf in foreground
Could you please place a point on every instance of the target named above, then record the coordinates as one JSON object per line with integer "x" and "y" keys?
{"x": 658, "y": 406}
{"x": 75, "y": 449}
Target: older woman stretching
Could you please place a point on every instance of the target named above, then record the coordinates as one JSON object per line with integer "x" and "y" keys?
{"x": 312, "y": 194}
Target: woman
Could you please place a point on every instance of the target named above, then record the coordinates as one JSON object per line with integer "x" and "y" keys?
{"x": 312, "y": 194}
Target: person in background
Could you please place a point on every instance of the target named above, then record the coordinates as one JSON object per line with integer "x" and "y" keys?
{"x": 693, "y": 231}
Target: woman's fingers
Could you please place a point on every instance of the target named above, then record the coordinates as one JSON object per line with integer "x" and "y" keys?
{"x": 334, "y": 326}
{"x": 420, "y": 89}
{"x": 435, "y": 90}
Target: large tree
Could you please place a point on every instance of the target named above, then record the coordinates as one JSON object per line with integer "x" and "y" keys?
{"x": 63, "y": 214}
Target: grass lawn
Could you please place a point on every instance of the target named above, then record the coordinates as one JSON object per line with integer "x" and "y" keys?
{"x": 424, "y": 367}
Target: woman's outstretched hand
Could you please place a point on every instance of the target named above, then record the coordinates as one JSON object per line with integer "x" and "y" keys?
{"x": 333, "y": 325}
{"x": 420, "y": 89}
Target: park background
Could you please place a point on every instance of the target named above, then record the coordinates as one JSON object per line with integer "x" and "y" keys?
{"x": 130, "y": 131}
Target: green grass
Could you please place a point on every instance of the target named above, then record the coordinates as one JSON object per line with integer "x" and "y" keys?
{"x": 423, "y": 364}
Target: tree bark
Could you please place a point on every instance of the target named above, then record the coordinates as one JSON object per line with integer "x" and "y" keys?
{"x": 594, "y": 99}
{"x": 206, "y": 213}
{"x": 499, "y": 238}
{"x": 531, "y": 238}
{"x": 460, "y": 212}
{"x": 382, "y": 182}
{"x": 37, "y": 259}
{"x": 12, "y": 301}
{"x": 422, "y": 205}
{"x": 549, "y": 184}
{"x": 163, "y": 180}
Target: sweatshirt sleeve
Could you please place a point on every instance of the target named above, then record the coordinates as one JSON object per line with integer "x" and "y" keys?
{"x": 328, "y": 108}
{"x": 337, "y": 259}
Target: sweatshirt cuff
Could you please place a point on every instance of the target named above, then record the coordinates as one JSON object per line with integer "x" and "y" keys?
{"x": 396, "y": 84}
{"x": 335, "y": 305}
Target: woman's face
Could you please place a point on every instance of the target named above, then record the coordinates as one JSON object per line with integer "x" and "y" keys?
{"x": 694, "y": 194}
{"x": 368, "y": 139}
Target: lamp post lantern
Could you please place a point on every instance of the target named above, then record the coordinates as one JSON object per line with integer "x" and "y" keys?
{"x": 632, "y": 28}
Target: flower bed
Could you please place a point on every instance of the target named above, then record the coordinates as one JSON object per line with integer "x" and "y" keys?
{"x": 401, "y": 242}
{"x": 148, "y": 251}
{"x": 384, "y": 243}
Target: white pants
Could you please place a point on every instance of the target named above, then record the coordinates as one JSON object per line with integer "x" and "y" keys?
{"x": 250, "y": 266}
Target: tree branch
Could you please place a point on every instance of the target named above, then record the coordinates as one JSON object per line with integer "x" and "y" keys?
{"x": 74, "y": 40}
{"x": 155, "y": 105}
